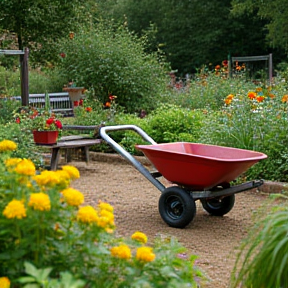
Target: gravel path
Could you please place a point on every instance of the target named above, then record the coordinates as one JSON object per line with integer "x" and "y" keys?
{"x": 213, "y": 239}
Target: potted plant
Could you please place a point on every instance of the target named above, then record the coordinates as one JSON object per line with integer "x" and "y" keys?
{"x": 44, "y": 124}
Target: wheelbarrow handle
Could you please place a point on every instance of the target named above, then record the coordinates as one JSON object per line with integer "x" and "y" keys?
{"x": 126, "y": 154}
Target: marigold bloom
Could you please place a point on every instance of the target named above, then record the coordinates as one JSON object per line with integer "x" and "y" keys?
{"x": 145, "y": 254}
{"x": 7, "y": 145}
{"x": 258, "y": 89}
{"x": 73, "y": 197}
{"x": 88, "y": 109}
{"x": 72, "y": 171}
{"x": 230, "y": 96}
{"x": 11, "y": 163}
{"x": 15, "y": 209}
{"x": 87, "y": 214}
{"x": 47, "y": 178}
{"x": 260, "y": 98}
{"x": 272, "y": 96}
{"x": 285, "y": 98}
{"x": 25, "y": 167}
{"x": 140, "y": 237}
{"x": 40, "y": 201}
{"x": 4, "y": 282}
{"x": 106, "y": 219}
{"x": 217, "y": 67}
{"x": 105, "y": 206}
{"x": 122, "y": 251}
{"x": 252, "y": 95}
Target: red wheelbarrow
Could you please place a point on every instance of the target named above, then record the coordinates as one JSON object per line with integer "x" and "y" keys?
{"x": 196, "y": 172}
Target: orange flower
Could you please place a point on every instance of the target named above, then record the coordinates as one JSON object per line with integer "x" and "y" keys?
{"x": 285, "y": 98}
{"x": 227, "y": 101}
{"x": 71, "y": 35}
{"x": 260, "y": 98}
{"x": 230, "y": 96}
{"x": 88, "y": 109}
{"x": 258, "y": 89}
{"x": 217, "y": 67}
{"x": 107, "y": 104}
{"x": 272, "y": 96}
{"x": 252, "y": 95}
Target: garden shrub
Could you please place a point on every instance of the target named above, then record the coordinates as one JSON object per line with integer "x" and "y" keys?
{"x": 171, "y": 123}
{"x": 113, "y": 61}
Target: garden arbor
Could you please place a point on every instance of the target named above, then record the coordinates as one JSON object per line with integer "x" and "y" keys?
{"x": 23, "y": 72}
{"x": 245, "y": 59}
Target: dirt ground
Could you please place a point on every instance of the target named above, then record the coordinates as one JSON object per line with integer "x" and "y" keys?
{"x": 135, "y": 200}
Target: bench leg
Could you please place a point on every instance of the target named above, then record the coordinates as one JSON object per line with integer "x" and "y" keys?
{"x": 86, "y": 150}
{"x": 55, "y": 158}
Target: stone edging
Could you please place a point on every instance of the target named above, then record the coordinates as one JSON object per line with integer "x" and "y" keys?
{"x": 268, "y": 187}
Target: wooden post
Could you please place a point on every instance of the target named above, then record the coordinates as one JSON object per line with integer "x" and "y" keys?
{"x": 24, "y": 77}
{"x": 270, "y": 69}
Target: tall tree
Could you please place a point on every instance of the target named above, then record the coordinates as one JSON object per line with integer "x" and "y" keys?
{"x": 40, "y": 23}
{"x": 276, "y": 14}
{"x": 195, "y": 32}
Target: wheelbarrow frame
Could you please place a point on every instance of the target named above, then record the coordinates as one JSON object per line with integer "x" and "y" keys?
{"x": 203, "y": 195}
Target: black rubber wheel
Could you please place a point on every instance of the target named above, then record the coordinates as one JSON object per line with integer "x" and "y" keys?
{"x": 218, "y": 206}
{"x": 176, "y": 207}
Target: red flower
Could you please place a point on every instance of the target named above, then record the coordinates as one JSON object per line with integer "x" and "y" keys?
{"x": 58, "y": 124}
{"x": 49, "y": 121}
{"x": 62, "y": 54}
{"x": 260, "y": 98}
{"x": 81, "y": 102}
{"x": 225, "y": 63}
{"x": 17, "y": 120}
{"x": 88, "y": 109}
{"x": 76, "y": 103}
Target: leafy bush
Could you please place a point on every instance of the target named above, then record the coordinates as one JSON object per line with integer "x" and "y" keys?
{"x": 44, "y": 226}
{"x": 113, "y": 61}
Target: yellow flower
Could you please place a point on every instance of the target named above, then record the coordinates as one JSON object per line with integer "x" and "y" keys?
{"x": 106, "y": 219}
{"x": 258, "y": 89}
{"x": 47, "y": 178}
{"x": 122, "y": 251}
{"x": 25, "y": 167}
{"x": 15, "y": 209}
{"x": 87, "y": 214}
{"x": 72, "y": 171}
{"x": 105, "y": 206}
{"x": 140, "y": 237}
{"x": 40, "y": 201}
{"x": 73, "y": 197}
{"x": 7, "y": 145}
{"x": 4, "y": 282}
{"x": 11, "y": 163}
{"x": 145, "y": 254}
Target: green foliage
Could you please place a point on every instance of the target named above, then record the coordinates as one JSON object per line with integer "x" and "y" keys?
{"x": 114, "y": 61}
{"x": 40, "y": 23}
{"x": 263, "y": 260}
{"x": 24, "y": 139}
{"x": 171, "y": 123}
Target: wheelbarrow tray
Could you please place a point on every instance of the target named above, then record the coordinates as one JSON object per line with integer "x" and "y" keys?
{"x": 199, "y": 166}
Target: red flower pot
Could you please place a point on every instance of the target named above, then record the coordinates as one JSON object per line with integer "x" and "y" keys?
{"x": 45, "y": 137}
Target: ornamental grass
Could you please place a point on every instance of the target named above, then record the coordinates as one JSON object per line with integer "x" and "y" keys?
{"x": 50, "y": 238}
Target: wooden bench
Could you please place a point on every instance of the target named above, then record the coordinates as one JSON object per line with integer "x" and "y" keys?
{"x": 84, "y": 142}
